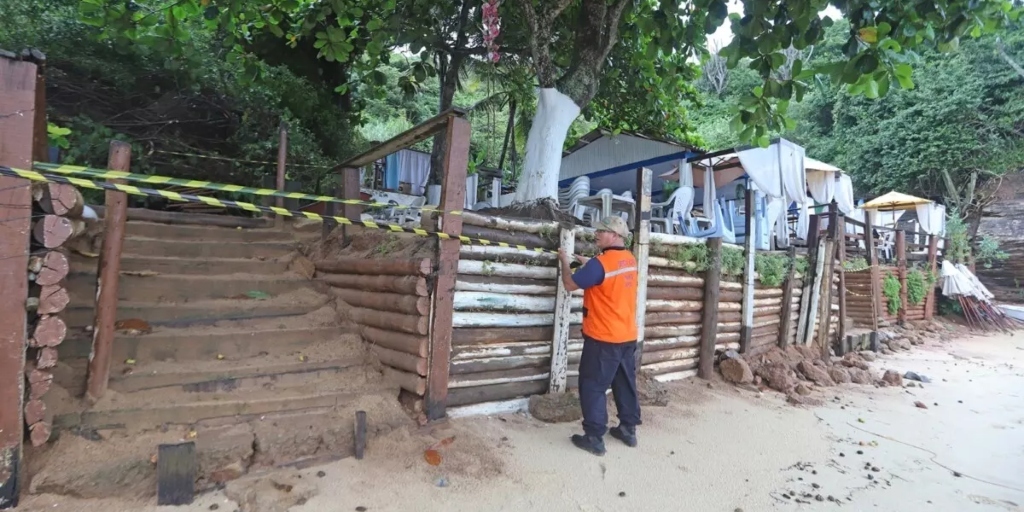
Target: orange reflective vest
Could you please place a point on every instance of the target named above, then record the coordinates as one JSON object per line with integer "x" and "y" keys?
{"x": 609, "y": 309}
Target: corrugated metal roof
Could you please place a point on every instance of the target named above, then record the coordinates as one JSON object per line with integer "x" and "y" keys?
{"x": 605, "y": 151}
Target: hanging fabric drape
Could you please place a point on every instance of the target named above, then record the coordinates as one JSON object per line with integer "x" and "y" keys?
{"x": 822, "y": 186}
{"x": 779, "y": 172}
{"x": 844, "y": 195}
{"x": 710, "y": 193}
{"x": 414, "y": 168}
{"x": 932, "y": 217}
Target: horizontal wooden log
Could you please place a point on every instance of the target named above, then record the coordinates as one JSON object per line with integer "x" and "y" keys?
{"x": 728, "y": 337}
{"x": 407, "y": 285}
{"x": 401, "y": 360}
{"x": 52, "y": 300}
{"x": 35, "y": 411}
{"x": 767, "y": 293}
{"x": 46, "y": 358}
{"x": 391, "y": 321}
{"x": 383, "y": 301}
{"x": 398, "y": 341}
{"x": 485, "y": 301}
{"x": 654, "y": 279}
{"x": 672, "y": 317}
{"x": 53, "y": 268}
{"x": 49, "y": 331}
{"x": 510, "y": 254}
{"x": 493, "y": 393}
{"x": 408, "y": 381}
{"x": 376, "y": 267}
{"x": 488, "y": 268}
{"x": 764, "y": 339}
{"x": 673, "y": 239}
{"x": 511, "y": 237}
{"x": 471, "y": 319}
{"x": 484, "y": 336}
{"x": 39, "y": 381}
{"x": 497, "y": 364}
{"x": 464, "y": 285}
{"x": 497, "y": 377}
{"x": 670, "y": 343}
{"x": 53, "y": 231}
{"x": 545, "y": 228}
{"x": 197, "y": 219}
{"x": 728, "y": 327}
{"x": 674, "y": 293}
{"x": 527, "y": 348}
{"x": 670, "y": 366}
{"x": 660, "y": 356}
{"x": 660, "y": 262}
{"x": 723, "y": 346}
{"x": 670, "y": 331}
{"x": 657, "y": 306}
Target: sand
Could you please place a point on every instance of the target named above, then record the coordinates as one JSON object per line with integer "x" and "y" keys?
{"x": 712, "y": 448}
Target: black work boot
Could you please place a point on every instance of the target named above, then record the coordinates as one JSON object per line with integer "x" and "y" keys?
{"x": 592, "y": 444}
{"x": 625, "y": 434}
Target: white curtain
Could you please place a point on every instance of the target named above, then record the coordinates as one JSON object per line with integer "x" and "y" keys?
{"x": 794, "y": 179}
{"x": 414, "y": 168}
{"x": 779, "y": 172}
{"x": 844, "y": 195}
{"x": 822, "y": 185}
{"x": 932, "y": 217}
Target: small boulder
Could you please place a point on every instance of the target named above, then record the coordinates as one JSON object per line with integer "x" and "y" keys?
{"x": 556, "y": 407}
{"x": 803, "y": 389}
{"x": 795, "y": 399}
{"x": 839, "y": 374}
{"x": 858, "y": 376}
{"x": 867, "y": 355}
{"x": 887, "y": 352}
{"x": 892, "y": 378}
{"x": 854, "y": 360}
{"x": 736, "y": 371}
{"x": 815, "y": 374}
{"x": 777, "y": 376}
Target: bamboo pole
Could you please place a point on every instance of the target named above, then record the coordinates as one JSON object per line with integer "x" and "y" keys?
{"x": 562, "y": 320}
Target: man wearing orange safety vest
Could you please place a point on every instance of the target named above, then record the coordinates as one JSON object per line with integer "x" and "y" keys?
{"x": 609, "y": 283}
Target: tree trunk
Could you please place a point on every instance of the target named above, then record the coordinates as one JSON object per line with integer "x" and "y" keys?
{"x": 555, "y": 114}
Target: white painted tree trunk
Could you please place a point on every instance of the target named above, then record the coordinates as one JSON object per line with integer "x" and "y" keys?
{"x": 555, "y": 114}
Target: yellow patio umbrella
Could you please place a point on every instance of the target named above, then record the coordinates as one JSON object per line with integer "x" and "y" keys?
{"x": 894, "y": 201}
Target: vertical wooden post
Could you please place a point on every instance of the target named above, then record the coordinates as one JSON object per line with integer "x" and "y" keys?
{"x": 812, "y": 261}
{"x": 563, "y": 318}
{"x": 828, "y": 273}
{"x": 747, "y": 323}
{"x": 453, "y": 193}
{"x": 20, "y": 107}
{"x": 641, "y": 251}
{"x": 901, "y": 265}
{"x": 330, "y": 208}
{"x": 350, "y": 192}
{"x": 816, "y": 279}
{"x": 841, "y": 256}
{"x": 282, "y": 158}
{"x": 787, "y": 301}
{"x": 709, "y": 323}
{"x": 107, "y": 277}
{"x": 869, "y": 245}
{"x": 933, "y": 255}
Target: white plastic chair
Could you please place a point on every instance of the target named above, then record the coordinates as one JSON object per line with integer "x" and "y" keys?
{"x": 409, "y": 214}
{"x": 673, "y": 213}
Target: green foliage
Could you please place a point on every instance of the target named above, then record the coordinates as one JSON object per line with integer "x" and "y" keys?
{"x": 855, "y": 264}
{"x": 891, "y": 292}
{"x": 771, "y": 268}
{"x": 694, "y": 256}
{"x": 958, "y": 249}
{"x": 733, "y": 261}
{"x": 58, "y": 136}
{"x": 987, "y": 251}
{"x": 801, "y": 265}
{"x": 917, "y": 286}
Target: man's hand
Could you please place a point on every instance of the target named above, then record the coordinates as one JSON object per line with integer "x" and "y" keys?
{"x": 563, "y": 256}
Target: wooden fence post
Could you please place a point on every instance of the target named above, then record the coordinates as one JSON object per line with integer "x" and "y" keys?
{"x": 933, "y": 254}
{"x": 350, "y": 192}
{"x": 747, "y": 320}
{"x": 828, "y": 273}
{"x": 108, "y": 275}
{"x": 901, "y": 265}
{"x": 563, "y": 318}
{"x": 841, "y": 256}
{"x": 869, "y": 245}
{"x": 641, "y": 251}
{"x": 787, "y": 301}
{"x": 453, "y": 197}
{"x": 709, "y": 324}
{"x": 812, "y": 261}
{"x": 22, "y": 104}
{"x": 282, "y": 158}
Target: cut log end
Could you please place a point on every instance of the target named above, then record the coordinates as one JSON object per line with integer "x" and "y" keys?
{"x": 59, "y": 199}
{"x": 40, "y": 433}
{"x": 49, "y": 332}
{"x": 39, "y": 381}
{"x": 47, "y": 358}
{"x": 35, "y": 411}
{"x": 52, "y": 231}
{"x": 54, "y": 267}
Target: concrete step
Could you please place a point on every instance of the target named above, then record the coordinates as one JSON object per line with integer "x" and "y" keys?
{"x": 171, "y": 265}
{"x": 184, "y": 232}
{"x": 185, "y": 288}
{"x": 206, "y": 248}
{"x": 298, "y": 302}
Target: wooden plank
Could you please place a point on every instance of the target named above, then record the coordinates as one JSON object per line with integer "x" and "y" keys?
{"x": 282, "y": 161}
{"x": 176, "y": 467}
{"x": 841, "y": 256}
{"x": 811, "y": 315}
{"x": 562, "y": 321}
{"x": 805, "y": 298}
{"x": 475, "y": 284}
{"x": 499, "y": 377}
{"x": 489, "y": 268}
{"x": 933, "y": 251}
{"x": 376, "y": 267}
{"x": 503, "y": 363}
{"x": 642, "y": 251}
{"x": 453, "y": 194}
{"x": 20, "y": 93}
{"x": 477, "y": 336}
{"x": 869, "y": 244}
{"x": 901, "y": 273}
{"x": 472, "y": 319}
{"x": 748, "y": 271}
{"x": 417, "y": 133}
{"x": 709, "y": 326}
{"x": 504, "y": 302}
{"x": 360, "y": 434}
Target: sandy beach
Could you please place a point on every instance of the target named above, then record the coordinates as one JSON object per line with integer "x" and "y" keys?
{"x": 715, "y": 447}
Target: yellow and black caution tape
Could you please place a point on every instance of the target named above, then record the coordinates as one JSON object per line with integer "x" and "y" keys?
{"x": 209, "y": 185}
{"x": 238, "y": 160}
{"x": 224, "y": 203}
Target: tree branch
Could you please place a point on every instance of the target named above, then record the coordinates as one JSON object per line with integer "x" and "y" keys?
{"x": 611, "y": 28}
{"x": 540, "y": 30}
{"x": 1001, "y": 49}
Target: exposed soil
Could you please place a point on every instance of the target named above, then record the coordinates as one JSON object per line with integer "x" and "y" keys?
{"x": 542, "y": 209}
{"x": 371, "y": 243}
